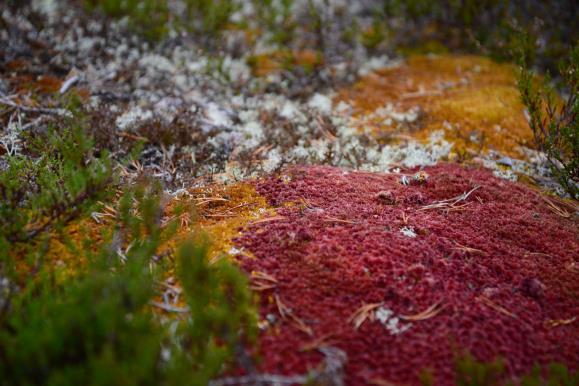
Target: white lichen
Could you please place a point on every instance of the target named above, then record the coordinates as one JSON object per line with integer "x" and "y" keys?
{"x": 388, "y": 319}
{"x": 321, "y": 103}
{"x": 133, "y": 118}
{"x": 408, "y": 231}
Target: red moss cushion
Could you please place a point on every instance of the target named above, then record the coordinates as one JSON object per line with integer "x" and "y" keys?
{"x": 500, "y": 268}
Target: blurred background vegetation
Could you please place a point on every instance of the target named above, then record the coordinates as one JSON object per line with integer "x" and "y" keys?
{"x": 488, "y": 27}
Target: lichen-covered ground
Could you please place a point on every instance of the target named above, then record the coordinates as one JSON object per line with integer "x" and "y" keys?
{"x": 394, "y": 208}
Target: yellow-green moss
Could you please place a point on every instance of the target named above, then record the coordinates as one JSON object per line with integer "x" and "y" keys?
{"x": 473, "y": 99}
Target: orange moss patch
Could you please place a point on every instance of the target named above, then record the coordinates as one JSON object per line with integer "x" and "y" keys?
{"x": 266, "y": 64}
{"x": 61, "y": 249}
{"x": 220, "y": 211}
{"x": 473, "y": 99}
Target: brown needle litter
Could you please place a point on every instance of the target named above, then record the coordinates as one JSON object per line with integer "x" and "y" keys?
{"x": 430, "y": 312}
{"x": 261, "y": 281}
{"x": 286, "y": 313}
{"x": 322, "y": 341}
{"x": 362, "y": 314}
{"x": 486, "y": 301}
{"x": 464, "y": 248}
{"x": 555, "y": 209}
{"x": 268, "y": 219}
{"x": 451, "y": 202}
{"x": 559, "y": 322}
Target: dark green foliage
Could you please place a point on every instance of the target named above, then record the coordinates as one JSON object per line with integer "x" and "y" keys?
{"x": 470, "y": 372}
{"x": 557, "y": 375}
{"x": 278, "y": 21}
{"x": 489, "y": 27}
{"x": 94, "y": 330}
{"x": 58, "y": 181}
{"x": 98, "y": 329}
{"x": 374, "y": 36}
{"x": 69, "y": 334}
{"x": 554, "y": 124}
{"x": 209, "y": 16}
{"x": 222, "y": 317}
{"x": 153, "y": 19}
{"x": 148, "y": 17}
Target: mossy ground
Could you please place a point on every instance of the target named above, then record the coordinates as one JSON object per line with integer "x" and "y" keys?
{"x": 215, "y": 213}
{"x": 473, "y": 99}
{"x": 317, "y": 244}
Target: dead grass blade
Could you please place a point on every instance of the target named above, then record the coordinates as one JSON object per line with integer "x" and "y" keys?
{"x": 261, "y": 281}
{"x": 559, "y": 322}
{"x": 489, "y": 303}
{"x": 263, "y": 276}
{"x": 286, "y": 313}
{"x": 450, "y": 204}
{"x": 430, "y": 312}
{"x": 322, "y": 341}
{"x": 464, "y": 248}
{"x": 363, "y": 313}
{"x": 268, "y": 219}
{"x": 556, "y": 209}
{"x": 206, "y": 200}
{"x": 281, "y": 307}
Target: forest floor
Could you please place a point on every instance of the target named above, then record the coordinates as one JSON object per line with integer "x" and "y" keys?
{"x": 391, "y": 208}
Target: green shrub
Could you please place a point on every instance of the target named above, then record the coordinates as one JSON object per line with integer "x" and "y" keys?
{"x": 557, "y": 375}
{"x": 97, "y": 326}
{"x": 59, "y": 180}
{"x": 555, "y": 125}
{"x": 222, "y": 313}
{"x": 152, "y": 18}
